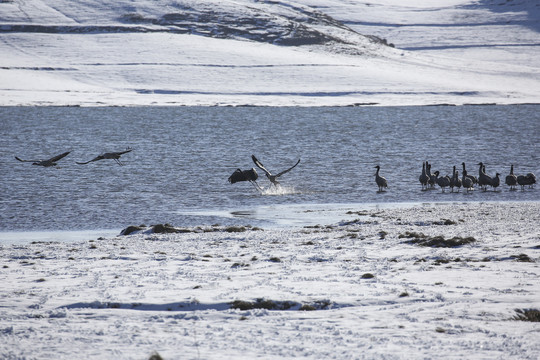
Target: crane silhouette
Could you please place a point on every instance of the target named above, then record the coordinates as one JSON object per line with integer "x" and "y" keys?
{"x": 245, "y": 175}
{"x": 110, "y": 155}
{"x": 381, "y": 181}
{"x": 272, "y": 178}
{"x": 49, "y": 162}
{"x": 424, "y": 178}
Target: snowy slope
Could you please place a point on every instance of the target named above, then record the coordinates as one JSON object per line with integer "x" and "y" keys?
{"x": 268, "y": 53}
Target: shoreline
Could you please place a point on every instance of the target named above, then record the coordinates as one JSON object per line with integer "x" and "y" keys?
{"x": 279, "y": 216}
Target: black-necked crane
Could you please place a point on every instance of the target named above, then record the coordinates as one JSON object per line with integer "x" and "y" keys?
{"x": 483, "y": 179}
{"x": 49, "y": 162}
{"x": 467, "y": 181}
{"x": 473, "y": 178}
{"x": 496, "y": 181}
{"x": 432, "y": 178}
{"x": 443, "y": 181}
{"x": 110, "y": 155}
{"x": 381, "y": 181}
{"x": 455, "y": 181}
{"x": 272, "y": 178}
{"x": 424, "y": 178}
{"x": 245, "y": 175}
{"x": 511, "y": 179}
{"x": 529, "y": 179}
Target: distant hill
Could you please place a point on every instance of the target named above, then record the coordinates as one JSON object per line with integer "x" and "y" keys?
{"x": 271, "y": 53}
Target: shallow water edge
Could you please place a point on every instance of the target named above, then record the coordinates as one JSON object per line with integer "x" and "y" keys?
{"x": 277, "y": 216}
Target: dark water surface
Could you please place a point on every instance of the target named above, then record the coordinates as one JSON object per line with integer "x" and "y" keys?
{"x": 182, "y": 157}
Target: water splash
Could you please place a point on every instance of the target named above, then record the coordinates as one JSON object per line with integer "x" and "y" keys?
{"x": 279, "y": 190}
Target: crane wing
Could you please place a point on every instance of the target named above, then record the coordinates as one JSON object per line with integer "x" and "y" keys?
{"x": 58, "y": 157}
{"x": 123, "y": 152}
{"x": 289, "y": 169}
{"x": 18, "y": 158}
{"x": 260, "y": 165}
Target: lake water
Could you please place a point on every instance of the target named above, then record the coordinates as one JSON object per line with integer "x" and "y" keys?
{"x": 182, "y": 156}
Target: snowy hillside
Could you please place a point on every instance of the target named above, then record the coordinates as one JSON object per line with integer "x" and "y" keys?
{"x": 243, "y": 52}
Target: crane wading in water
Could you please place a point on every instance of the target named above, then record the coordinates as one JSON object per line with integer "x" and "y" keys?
{"x": 511, "y": 179}
{"x": 381, "y": 182}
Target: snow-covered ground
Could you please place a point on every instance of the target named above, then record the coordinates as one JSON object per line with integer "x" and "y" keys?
{"x": 243, "y": 52}
{"x": 358, "y": 289}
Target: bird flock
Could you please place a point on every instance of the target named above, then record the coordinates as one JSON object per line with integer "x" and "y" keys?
{"x": 428, "y": 180}
{"x": 53, "y": 161}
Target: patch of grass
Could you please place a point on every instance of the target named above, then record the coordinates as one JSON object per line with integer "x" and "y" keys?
{"x": 404, "y": 294}
{"x": 275, "y": 259}
{"x": 235, "y": 229}
{"x": 367, "y": 276}
{"x": 382, "y": 234}
{"x": 435, "y": 241}
{"x": 522, "y": 258}
{"x": 440, "y": 330}
{"x": 532, "y": 315}
{"x": 361, "y": 213}
{"x": 239, "y": 265}
{"x": 279, "y": 305}
{"x": 445, "y": 222}
{"x": 411, "y": 234}
{"x": 262, "y": 304}
{"x": 441, "y": 261}
{"x": 322, "y": 304}
{"x": 41, "y": 280}
{"x": 166, "y": 229}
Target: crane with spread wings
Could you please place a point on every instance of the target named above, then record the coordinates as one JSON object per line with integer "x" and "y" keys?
{"x": 269, "y": 175}
{"x": 110, "y": 155}
{"x": 49, "y": 162}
